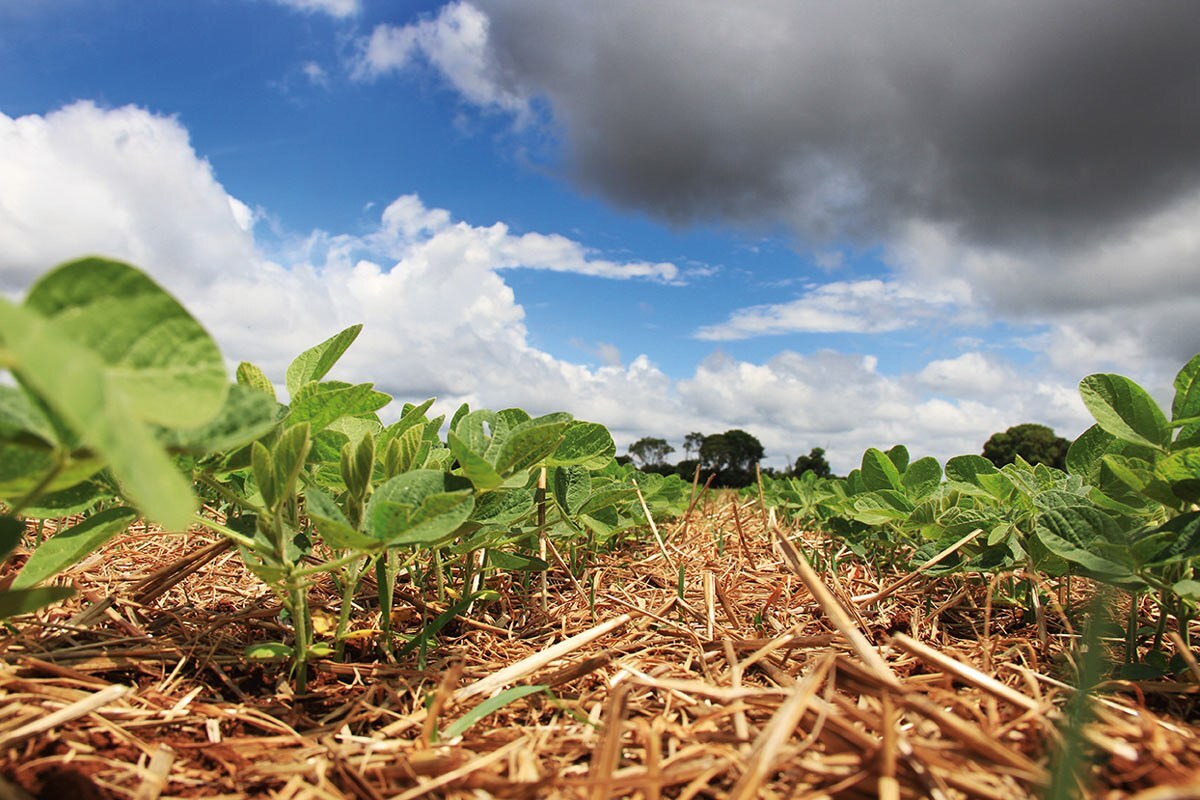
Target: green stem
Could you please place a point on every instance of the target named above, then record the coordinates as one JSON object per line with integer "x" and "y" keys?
{"x": 384, "y": 577}
{"x": 229, "y": 533}
{"x": 1164, "y": 610}
{"x": 328, "y": 566}
{"x": 47, "y": 479}
{"x": 1131, "y": 630}
{"x": 350, "y": 581}
{"x": 227, "y": 495}
{"x": 298, "y": 600}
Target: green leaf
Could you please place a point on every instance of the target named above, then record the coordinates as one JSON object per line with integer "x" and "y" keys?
{"x": 76, "y": 499}
{"x": 1188, "y": 589}
{"x": 263, "y": 465}
{"x": 1187, "y": 402}
{"x": 12, "y": 530}
{"x": 489, "y": 706}
{"x": 1083, "y": 534}
{"x": 470, "y": 430}
{"x": 21, "y": 417}
{"x": 315, "y": 363}
{"x": 459, "y": 413}
{"x": 252, "y": 377}
{"x": 358, "y": 466}
{"x": 922, "y": 477}
{"x": 528, "y": 443}
{"x": 1125, "y": 410}
{"x": 606, "y": 496}
{"x": 881, "y": 507}
{"x": 1083, "y": 457}
{"x": 879, "y": 471}
{"x": 437, "y": 623}
{"x": 320, "y": 404}
{"x": 572, "y": 487}
{"x": 25, "y": 463}
{"x": 14, "y": 602}
{"x": 1181, "y": 470}
{"x": 503, "y": 507}
{"x": 979, "y": 472}
{"x": 1178, "y": 540}
{"x": 94, "y": 401}
{"x": 333, "y": 526}
{"x": 67, "y": 548}
{"x": 410, "y": 450}
{"x": 245, "y": 416}
{"x": 269, "y": 651}
{"x": 166, "y": 368}
{"x": 472, "y": 465}
{"x": 586, "y": 444}
{"x": 418, "y": 507}
{"x": 515, "y": 562}
{"x": 288, "y": 457}
{"x": 898, "y": 454}
{"x": 413, "y": 416}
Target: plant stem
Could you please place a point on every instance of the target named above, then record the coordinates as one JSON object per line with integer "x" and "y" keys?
{"x": 237, "y": 538}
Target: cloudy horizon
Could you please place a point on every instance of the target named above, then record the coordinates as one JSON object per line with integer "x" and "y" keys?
{"x": 839, "y": 226}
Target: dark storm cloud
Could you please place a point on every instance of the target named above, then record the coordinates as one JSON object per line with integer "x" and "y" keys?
{"x": 1014, "y": 121}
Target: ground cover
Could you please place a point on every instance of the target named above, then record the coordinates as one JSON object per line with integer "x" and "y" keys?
{"x": 328, "y": 605}
{"x": 703, "y": 668}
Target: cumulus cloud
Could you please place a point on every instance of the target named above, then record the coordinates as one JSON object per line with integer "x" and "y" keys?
{"x": 127, "y": 184}
{"x": 455, "y": 43}
{"x": 440, "y": 319}
{"x": 866, "y": 306}
{"x": 1046, "y": 153}
{"x": 84, "y": 179}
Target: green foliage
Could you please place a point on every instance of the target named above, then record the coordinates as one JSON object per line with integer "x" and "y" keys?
{"x": 101, "y": 355}
{"x": 732, "y": 455}
{"x": 650, "y": 450}
{"x": 1036, "y": 444}
{"x": 121, "y": 403}
{"x": 814, "y": 462}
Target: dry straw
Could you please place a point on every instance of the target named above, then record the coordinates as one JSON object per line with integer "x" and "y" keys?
{"x": 764, "y": 679}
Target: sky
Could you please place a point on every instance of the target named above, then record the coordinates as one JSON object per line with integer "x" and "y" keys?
{"x": 838, "y": 225}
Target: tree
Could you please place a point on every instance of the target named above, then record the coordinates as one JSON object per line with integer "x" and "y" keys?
{"x": 1035, "y": 443}
{"x": 650, "y": 450}
{"x": 732, "y": 455}
{"x": 692, "y": 442}
{"x": 813, "y": 462}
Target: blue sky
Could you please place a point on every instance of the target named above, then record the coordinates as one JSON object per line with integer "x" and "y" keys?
{"x": 833, "y": 225}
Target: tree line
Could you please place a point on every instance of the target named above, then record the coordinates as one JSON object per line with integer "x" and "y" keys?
{"x": 731, "y": 457}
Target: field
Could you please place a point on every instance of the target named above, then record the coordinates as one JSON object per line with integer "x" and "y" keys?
{"x": 745, "y": 685}
{"x": 325, "y": 605}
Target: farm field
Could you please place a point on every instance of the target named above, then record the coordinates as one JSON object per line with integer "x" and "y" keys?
{"x": 740, "y": 687}
{"x": 327, "y": 606}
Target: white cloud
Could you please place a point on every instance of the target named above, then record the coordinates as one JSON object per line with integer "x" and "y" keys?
{"x": 334, "y": 8}
{"x": 1127, "y": 301}
{"x": 315, "y": 74}
{"x": 119, "y": 181}
{"x": 866, "y": 306}
{"x": 440, "y": 320}
{"x": 971, "y": 374}
{"x": 455, "y": 43}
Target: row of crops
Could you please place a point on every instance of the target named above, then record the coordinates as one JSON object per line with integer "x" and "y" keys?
{"x": 1124, "y": 513}
{"x": 122, "y": 408}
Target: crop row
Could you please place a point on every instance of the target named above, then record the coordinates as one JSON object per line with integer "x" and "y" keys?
{"x": 122, "y": 408}
{"x": 1125, "y": 511}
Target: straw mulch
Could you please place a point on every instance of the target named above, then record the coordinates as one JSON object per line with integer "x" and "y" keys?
{"x": 767, "y": 679}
